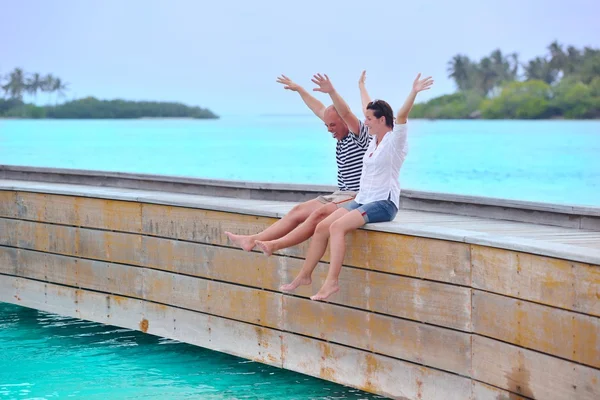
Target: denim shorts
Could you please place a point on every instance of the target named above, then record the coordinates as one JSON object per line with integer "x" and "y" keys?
{"x": 377, "y": 211}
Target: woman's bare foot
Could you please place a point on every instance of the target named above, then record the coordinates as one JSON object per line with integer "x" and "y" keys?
{"x": 266, "y": 247}
{"x": 299, "y": 281}
{"x": 245, "y": 242}
{"x": 326, "y": 290}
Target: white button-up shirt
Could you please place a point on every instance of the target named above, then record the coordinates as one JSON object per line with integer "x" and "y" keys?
{"x": 381, "y": 168}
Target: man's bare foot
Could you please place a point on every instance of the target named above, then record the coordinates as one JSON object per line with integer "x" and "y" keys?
{"x": 266, "y": 247}
{"x": 326, "y": 290}
{"x": 299, "y": 281}
{"x": 245, "y": 242}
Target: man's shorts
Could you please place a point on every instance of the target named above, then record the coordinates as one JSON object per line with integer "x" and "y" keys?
{"x": 339, "y": 197}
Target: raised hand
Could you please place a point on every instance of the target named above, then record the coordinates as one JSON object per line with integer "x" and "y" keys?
{"x": 422, "y": 84}
{"x": 323, "y": 82}
{"x": 288, "y": 83}
{"x": 363, "y": 78}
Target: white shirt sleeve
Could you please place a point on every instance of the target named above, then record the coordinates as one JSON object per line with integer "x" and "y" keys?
{"x": 400, "y": 135}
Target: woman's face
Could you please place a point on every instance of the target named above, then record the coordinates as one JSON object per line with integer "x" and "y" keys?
{"x": 373, "y": 123}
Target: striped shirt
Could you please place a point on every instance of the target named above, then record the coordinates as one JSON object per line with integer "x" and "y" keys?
{"x": 349, "y": 154}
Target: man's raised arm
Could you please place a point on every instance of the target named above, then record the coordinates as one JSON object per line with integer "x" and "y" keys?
{"x": 315, "y": 105}
{"x": 325, "y": 86}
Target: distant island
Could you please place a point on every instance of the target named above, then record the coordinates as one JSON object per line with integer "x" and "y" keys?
{"x": 565, "y": 83}
{"x": 18, "y": 83}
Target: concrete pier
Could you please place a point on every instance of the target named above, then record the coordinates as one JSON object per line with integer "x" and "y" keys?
{"x": 458, "y": 298}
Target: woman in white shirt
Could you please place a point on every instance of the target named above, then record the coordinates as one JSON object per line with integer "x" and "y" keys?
{"x": 379, "y": 194}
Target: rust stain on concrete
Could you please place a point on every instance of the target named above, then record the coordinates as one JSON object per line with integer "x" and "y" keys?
{"x": 272, "y": 358}
{"x": 373, "y": 368}
{"x": 144, "y": 325}
{"x": 327, "y": 373}
{"x": 118, "y": 299}
{"x": 518, "y": 380}
{"x": 263, "y": 341}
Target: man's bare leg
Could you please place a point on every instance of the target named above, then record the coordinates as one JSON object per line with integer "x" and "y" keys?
{"x": 285, "y": 225}
{"x": 317, "y": 247}
{"x": 304, "y": 231}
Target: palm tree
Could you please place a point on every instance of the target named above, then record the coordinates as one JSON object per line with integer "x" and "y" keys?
{"x": 34, "y": 83}
{"x": 590, "y": 52}
{"x": 15, "y": 85}
{"x": 513, "y": 60}
{"x": 573, "y": 60}
{"x": 460, "y": 68}
{"x": 47, "y": 84}
{"x": 505, "y": 66}
{"x": 589, "y": 67}
{"x": 60, "y": 88}
{"x": 557, "y": 56}
{"x": 488, "y": 76}
{"x": 501, "y": 66}
{"x": 2, "y": 85}
{"x": 539, "y": 68}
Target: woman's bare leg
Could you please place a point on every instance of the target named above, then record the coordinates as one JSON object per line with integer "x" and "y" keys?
{"x": 337, "y": 231}
{"x": 317, "y": 247}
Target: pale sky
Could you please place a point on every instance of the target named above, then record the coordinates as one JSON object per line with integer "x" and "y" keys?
{"x": 226, "y": 55}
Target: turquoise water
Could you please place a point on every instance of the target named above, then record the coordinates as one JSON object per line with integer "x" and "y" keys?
{"x": 45, "y": 356}
{"x": 548, "y": 161}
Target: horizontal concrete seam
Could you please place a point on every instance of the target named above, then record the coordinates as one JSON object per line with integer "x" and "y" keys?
{"x": 503, "y": 389}
{"x": 506, "y": 218}
{"x": 284, "y": 256}
{"x": 495, "y": 241}
{"x": 537, "y": 351}
{"x": 535, "y": 302}
{"x": 145, "y": 200}
{"x": 246, "y": 322}
{"x": 138, "y": 298}
{"x": 229, "y": 283}
{"x": 142, "y": 200}
{"x": 229, "y": 247}
{"x": 551, "y": 209}
{"x": 308, "y": 336}
{"x": 59, "y": 192}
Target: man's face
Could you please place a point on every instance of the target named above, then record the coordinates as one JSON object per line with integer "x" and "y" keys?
{"x": 335, "y": 125}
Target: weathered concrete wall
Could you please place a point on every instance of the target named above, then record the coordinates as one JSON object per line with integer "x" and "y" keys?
{"x": 571, "y": 216}
{"x": 416, "y": 318}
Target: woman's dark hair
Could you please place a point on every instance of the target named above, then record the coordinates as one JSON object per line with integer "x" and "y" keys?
{"x": 380, "y": 109}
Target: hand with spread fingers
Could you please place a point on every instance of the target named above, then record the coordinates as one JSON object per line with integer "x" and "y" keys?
{"x": 288, "y": 83}
{"x": 422, "y": 84}
{"x": 323, "y": 82}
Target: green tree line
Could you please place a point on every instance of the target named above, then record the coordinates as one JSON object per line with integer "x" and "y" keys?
{"x": 17, "y": 84}
{"x": 564, "y": 83}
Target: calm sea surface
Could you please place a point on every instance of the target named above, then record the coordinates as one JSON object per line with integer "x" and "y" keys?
{"x": 547, "y": 161}
{"x": 44, "y": 356}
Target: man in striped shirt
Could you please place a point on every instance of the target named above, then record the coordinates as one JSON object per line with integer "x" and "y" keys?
{"x": 352, "y": 142}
